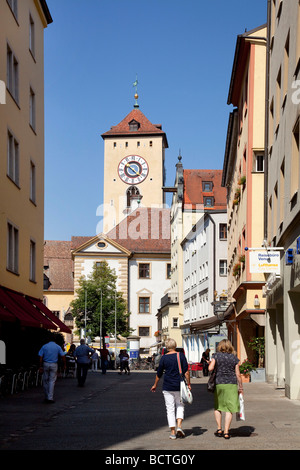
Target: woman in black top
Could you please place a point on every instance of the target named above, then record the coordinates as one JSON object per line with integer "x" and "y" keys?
{"x": 205, "y": 362}
{"x": 171, "y": 386}
{"x": 228, "y": 385}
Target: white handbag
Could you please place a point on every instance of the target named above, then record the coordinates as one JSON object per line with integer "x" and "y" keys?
{"x": 186, "y": 396}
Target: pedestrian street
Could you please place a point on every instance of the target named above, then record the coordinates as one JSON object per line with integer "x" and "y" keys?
{"x": 114, "y": 414}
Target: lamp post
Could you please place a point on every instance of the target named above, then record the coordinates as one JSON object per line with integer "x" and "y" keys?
{"x": 85, "y": 301}
{"x": 115, "y": 325}
{"x": 100, "y": 326}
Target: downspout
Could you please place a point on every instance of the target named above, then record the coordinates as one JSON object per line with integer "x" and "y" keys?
{"x": 266, "y": 166}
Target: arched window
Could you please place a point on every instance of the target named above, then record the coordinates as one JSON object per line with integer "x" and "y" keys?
{"x": 132, "y": 193}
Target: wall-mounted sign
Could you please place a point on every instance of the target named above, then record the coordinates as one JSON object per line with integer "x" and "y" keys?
{"x": 265, "y": 261}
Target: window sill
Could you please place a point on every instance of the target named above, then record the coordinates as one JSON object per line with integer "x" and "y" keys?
{"x": 14, "y": 182}
{"x": 13, "y": 272}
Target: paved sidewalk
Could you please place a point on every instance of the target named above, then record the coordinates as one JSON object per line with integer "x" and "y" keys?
{"x": 117, "y": 413}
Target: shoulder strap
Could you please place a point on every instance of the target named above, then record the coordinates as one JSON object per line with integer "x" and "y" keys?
{"x": 179, "y": 365}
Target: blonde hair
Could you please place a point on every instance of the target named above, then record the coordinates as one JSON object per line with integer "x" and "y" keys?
{"x": 225, "y": 346}
{"x": 170, "y": 344}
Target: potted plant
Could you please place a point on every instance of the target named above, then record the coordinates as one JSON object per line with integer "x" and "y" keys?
{"x": 242, "y": 259}
{"x": 258, "y": 345}
{"x": 245, "y": 369}
{"x": 242, "y": 180}
{"x": 237, "y": 194}
{"x": 236, "y": 269}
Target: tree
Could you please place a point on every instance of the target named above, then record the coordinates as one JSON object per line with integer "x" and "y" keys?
{"x": 97, "y": 294}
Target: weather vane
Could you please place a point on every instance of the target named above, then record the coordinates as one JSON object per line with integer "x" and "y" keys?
{"x": 135, "y": 84}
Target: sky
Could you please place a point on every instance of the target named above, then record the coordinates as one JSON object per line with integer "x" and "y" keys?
{"x": 182, "y": 53}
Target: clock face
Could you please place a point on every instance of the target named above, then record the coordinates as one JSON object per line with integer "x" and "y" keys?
{"x": 133, "y": 169}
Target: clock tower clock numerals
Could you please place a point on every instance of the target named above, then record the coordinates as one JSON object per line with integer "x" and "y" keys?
{"x": 133, "y": 169}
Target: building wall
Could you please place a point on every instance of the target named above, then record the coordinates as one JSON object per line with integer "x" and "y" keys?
{"x": 245, "y": 186}
{"x": 157, "y": 285}
{"x": 16, "y": 207}
{"x": 283, "y": 296}
{"x": 203, "y": 284}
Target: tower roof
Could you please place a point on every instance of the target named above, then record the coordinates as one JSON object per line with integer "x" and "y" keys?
{"x": 136, "y": 124}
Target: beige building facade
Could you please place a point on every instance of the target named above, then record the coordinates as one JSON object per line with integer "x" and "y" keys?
{"x": 22, "y": 25}
{"x": 243, "y": 176}
{"x": 282, "y": 291}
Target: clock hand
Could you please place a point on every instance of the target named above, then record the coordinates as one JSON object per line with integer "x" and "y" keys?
{"x": 138, "y": 174}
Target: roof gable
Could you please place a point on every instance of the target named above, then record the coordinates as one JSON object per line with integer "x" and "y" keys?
{"x": 195, "y": 192}
{"x": 135, "y": 123}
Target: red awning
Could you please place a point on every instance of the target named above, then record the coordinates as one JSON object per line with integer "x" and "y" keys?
{"x": 5, "y": 315}
{"x": 13, "y": 308}
{"x": 27, "y": 306}
{"x": 41, "y": 306}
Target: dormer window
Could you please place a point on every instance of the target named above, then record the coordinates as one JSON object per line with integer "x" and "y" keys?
{"x": 207, "y": 186}
{"x": 208, "y": 202}
{"x": 134, "y": 125}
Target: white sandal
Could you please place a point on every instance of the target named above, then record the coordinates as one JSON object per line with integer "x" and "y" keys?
{"x": 180, "y": 433}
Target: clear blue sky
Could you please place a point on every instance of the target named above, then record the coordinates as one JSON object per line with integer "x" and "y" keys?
{"x": 182, "y": 52}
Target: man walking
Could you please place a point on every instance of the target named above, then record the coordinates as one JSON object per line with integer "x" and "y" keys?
{"x": 49, "y": 355}
{"x": 82, "y": 355}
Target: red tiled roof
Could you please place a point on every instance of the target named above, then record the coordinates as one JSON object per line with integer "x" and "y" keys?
{"x": 59, "y": 265}
{"x": 145, "y": 126}
{"x": 146, "y": 230}
{"x": 193, "y": 192}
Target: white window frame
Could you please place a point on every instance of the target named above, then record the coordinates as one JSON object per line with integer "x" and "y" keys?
{"x": 32, "y": 266}
{"x": 12, "y": 248}
{"x": 32, "y": 109}
{"x": 13, "y": 5}
{"x": 32, "y": 182}
{"x": 31, "y": 35}
{"x": 12, "y": 74}
{"x": 223, "y": 267}
{"x": 13, "y": 158}
{"x": 259, "y": 163}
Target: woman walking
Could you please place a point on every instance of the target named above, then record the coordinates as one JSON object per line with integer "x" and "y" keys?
{"x": 171, "y": 386}
{"x": 228, "y": 385}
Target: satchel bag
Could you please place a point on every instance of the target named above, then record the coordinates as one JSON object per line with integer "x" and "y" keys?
{"x": 186, "y": 396}
{"x": 211, "y": 384}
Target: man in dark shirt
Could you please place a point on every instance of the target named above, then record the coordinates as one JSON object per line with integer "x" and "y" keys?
{"x": 82, "y": 355}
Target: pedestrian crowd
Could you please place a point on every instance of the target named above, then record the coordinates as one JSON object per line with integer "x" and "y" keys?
{"x": 76, "y": 360}
{"x": 173, "y": 367}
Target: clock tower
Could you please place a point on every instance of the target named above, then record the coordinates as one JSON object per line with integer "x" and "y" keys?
{"x": 134, "y": 170}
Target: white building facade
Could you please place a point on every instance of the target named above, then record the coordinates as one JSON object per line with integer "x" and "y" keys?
{"x": 205, "y": 281}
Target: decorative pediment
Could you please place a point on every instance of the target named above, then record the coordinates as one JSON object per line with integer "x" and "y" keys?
{"x": 101, "y": 244}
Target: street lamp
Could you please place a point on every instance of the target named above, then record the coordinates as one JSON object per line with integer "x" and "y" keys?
{"x": 220, "y": 307}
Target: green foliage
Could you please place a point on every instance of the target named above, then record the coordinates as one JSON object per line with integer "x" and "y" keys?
{"x": 102, "y": 280}
{"x": 258, "y": 345}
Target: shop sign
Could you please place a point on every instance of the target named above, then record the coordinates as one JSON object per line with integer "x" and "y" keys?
{"x": 264, "y": 262}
